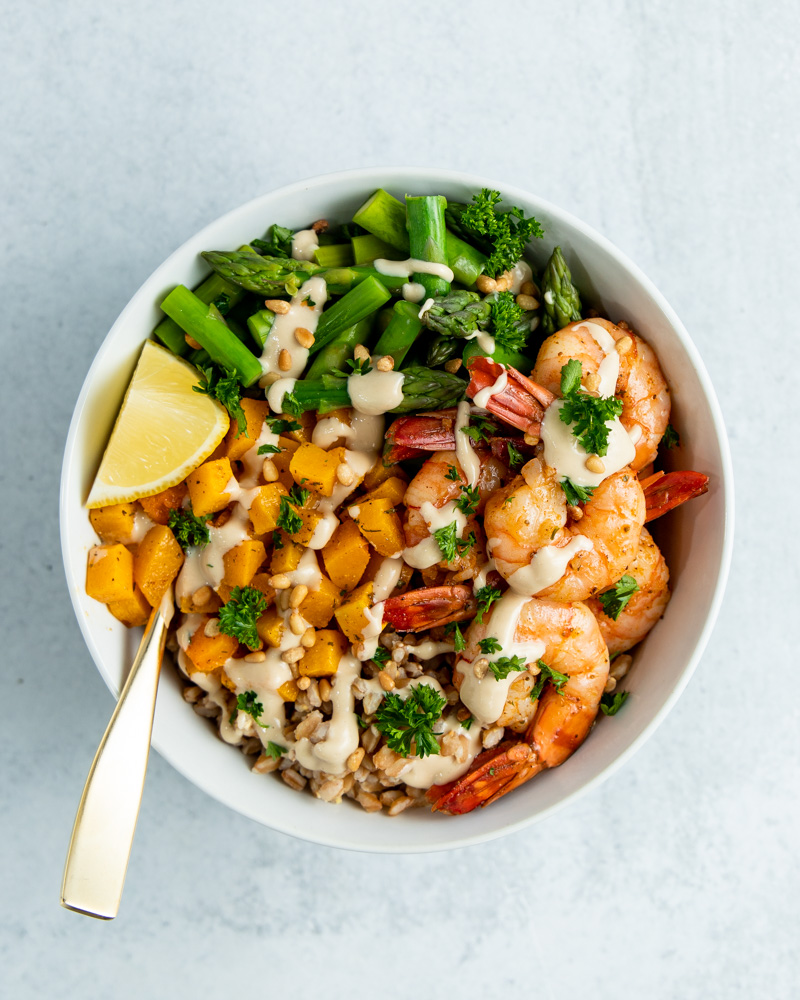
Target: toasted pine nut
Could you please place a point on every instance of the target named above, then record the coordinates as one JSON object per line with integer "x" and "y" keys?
{"x": 192, "y": 342}
{"x": 399, "y": 653}
{"x": 304, "y": 683}
{"x": 293, "y": 655}
{"x": 257, "y": 657}
{"x": 202, "y": 596}
{"x": 309, "y": 637}
{"x": 575, "y": 513}
{"x": 304, "y": 337}
{"x": 385, "y": 364}
{"x": 611, "y": 683}
{"x": 531, "y": 439}
{"x": 267, "y": 380}
{"x": 485, "y": 284}
{"x": 481, "y": 667}
{"x": 595, "y": 464}
{"x": 212, "y": 627}
{"x": 503, "y": 283}
{"x": 344, "y": 474}
{"x": 296, "y": 624}
{"x": 325, "y": 689}
{"x": 355, "y": 758}
{"x": 277, "y": 306}
{"x": 299, "y": 594}
{"x": 269, "y": 471}
{"x": 528, "y": 288}
{"x": 386, "y": 681}
{"x": 320, "y": 226}
{"x": 361, "y": 353}
{"x": 452, "y": 365}
{"x": 624, "y": 344}
{"x": 285, "y": 360}
{"x": 527, "y": 302}
{"x": 280, "y": 581}
{"x": 592, "y": 382}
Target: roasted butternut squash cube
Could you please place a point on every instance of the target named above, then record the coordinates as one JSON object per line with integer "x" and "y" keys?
{"x": 319, "y": 605}
{"x": 289, "y": 690}
{"x": 236, "y": 444}
{"x": 243, "y": 562}
{"x": 346, "y": 555}
{"x": 208, "y": 652}
{"x": 380, "y": 472}
{"x": 285, "y": 558}
{"x": 270, "y": 627}
{"x": 207, "y": 486}
{"x": 114, "y": 523}
{"x": 392, "y": 489}
{"x": 132, "y": 611}
{"x": 306, "y": 420}
{"x": 266, "y": 506}
{"x": 283, "y": 460}
{"x": 322, "y": 660}
{"x": 315, "y": 469}
{"x": 109, "y": 573}
{"x": 157, "y": 562}
{"x": 350, "y": 614}
{"x": 158, "y": 506}
{"x": 261, "y": 582}
{"x": 310, "y": 519}
{"x": 192, "y": 604}
{"x": 380, "y": 524}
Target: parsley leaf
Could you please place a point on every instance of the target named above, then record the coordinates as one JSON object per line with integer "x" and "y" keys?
{"x": 269, "y": 449}
{"x": 615, "y": 600}
{"x": 359, "y": 366}
{"x": 380, "y": 656}
{"x": 588, "y": 414}
{"x": 277, "y": 244}
{"x": 450, "y": 545}
{"x": 291, "y": 404}
{"x": 467, "y": 723}
{"x": 486, "y": 597}
{"x": 515, "y": 458}
{"x": 188, "y": 530}
{"x": 576, "y": 494}
{"x": 610, "y": 704}
{"x": 547, "y": 674}
{"x": 403, "y": 721}
{"x": 239, "y": 615}
{"x": 223, "y": 304}
{"x": 672, "y": 438}
{"x": 468, "y": 502}
{"x": 247, "y": 702}
{"x": 480, "y": 429}
{"x": 508, "y": 320}
{"x": 490, "y": 645}
{"x": 288, "y": 518}
{"x": 503, "y": 234}
{"x": 274, "y": 750}
{"x": 225, "y": 387}
{"x": 459, "y": 643}
{"x": 279, "y": 426}
{"x": 453, "y": 474}
{"x": 505, "y": 665}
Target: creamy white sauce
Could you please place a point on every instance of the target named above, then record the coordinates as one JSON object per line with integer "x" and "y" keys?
{"x": 405, "y": 268}
{"x": 252, "y": 461}
{"x": 277, "y": 391}
{"x": 141, "y": 525}
{"x": 307, "y": 572}
{"x": 413, "y": 291}
{"x": 482, "y": 398}
{"x": 360, "y": 462}
{"x": 485, "y": 340}
{"x": 371, "y": 632}
{"x": 330, "y": 431}
{"x": 386, "y": 579}
{"x": 424, "y": 307}
{"x": 330, "y": 755}
{"x": 436, "y": 769}
{"x": 635, "y": 434}
{"x": 304, "y": 243}
{"x": 564, "y": 453}
{"x": 480, "y": 578}
{"x": 520, "y": 273}
{"x": 465, "y": 453}
{"x": 376, "y": 392}
{"x": 205, "y": 567}
{"x": 485, "y": 697}
{"x": 281, "y": 335}
{"x": 264, "y": 679}
{"x": 547, "y": 566}
{"x": 323, "y": 531}
{"x": 429, "y": 648}
{"x": 427, "y": 552}
{"x": 608, "y": 372}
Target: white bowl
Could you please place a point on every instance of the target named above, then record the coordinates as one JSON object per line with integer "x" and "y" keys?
{"x": 696, "y": 538}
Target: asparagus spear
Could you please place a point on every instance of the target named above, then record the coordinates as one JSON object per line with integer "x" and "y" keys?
{"x": 337, "y": 352}
{"x": 260, "y": 324}
{"x": 211, "y": 290}
{"x": 399, "y": 336}
{"x": 334, "y": 255}
{"x": 426, "y": 238}
{"x": 360, "y": 302}
{"x": 562, "y": 301}
{"x": 441, "y": 349}
{"x": 368, "y": 248}
{"x": 458, "y": 314}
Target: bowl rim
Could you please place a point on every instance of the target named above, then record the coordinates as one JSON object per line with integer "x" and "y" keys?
{"x": 386, "y": 177}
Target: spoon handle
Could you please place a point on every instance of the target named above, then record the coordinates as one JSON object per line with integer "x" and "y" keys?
{"x": 102, "y": 836}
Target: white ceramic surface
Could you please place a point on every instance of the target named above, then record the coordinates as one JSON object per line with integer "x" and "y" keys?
{"x": 696, "y": 539}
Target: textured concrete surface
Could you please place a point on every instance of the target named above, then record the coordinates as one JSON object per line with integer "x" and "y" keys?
{"x": 669, "y": 127}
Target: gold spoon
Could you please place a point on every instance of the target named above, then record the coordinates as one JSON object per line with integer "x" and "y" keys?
{"x": 102, "y": 836}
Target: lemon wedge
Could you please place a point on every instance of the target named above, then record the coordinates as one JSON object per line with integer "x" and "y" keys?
{"x": 163, "y": 431}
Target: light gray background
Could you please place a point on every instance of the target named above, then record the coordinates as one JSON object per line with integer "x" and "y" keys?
{"x": 671, "y": 128}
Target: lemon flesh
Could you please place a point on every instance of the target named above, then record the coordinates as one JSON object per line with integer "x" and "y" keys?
{"x": 163, "y": 431}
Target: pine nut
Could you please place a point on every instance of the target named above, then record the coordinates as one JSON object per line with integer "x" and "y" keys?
{"x": 304, "y": 337}
{"x": 303, "y": 683}
{"x": 611, "y": 683}
{"x": 269, "y": 471}
{"x": 202, "y": 596}
{"x": 452, "y": 365}
{"x": 293, "y": 655}
{"x": 595, "y": 464}
{"x": 325, "y": 689}
{"x": 620, "y": 666}
{"x": 296, "y": 624}
{"x": 624, "y": 344}
{"x": 320, "y": 226}
{"x": 386, "y": 681}
{"x": 285, "y": 360}
{"x": 299, "y": 594}
{"x": 528, "y": 288}
{"x": 481, "y": 667}
{"x": 592, "y": 382}
{"x": 192, "y": 342}
{"x": 280, "y": 582}
{"x": 485, "y": 284}
{"x": 527, "y": 302}
{"x": 309, "y": 638}
{"x": 257, "y": 657}
{"x": 385, "y": 364}
{"x": 399, "y": 653}
{"x": 503, "y": 283}
{"x": 277, "y": 306}
{"x": 575, "y": 513}
{"x": 345, "y": 474}
{"x": 531, "y": 439}
{"x": 361, "y": 353}
{"x": 212, "y": 627}
{"x": 269, "y": 379}
{"x": 355, "y": 758}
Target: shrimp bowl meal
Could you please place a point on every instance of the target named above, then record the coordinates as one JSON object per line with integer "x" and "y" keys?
{"x": 434, "y": 489}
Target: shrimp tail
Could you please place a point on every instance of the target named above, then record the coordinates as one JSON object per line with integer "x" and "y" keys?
{"x": 424, "y": 432}
{"x": 429, "y": 607}
{"x": 521, "y": 403}
{"x": 494, "y": 773}
{"x": 665, "y": 490}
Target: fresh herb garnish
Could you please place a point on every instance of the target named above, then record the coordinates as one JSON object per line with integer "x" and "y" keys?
{"x": 509, "y": 328}
{"x": 453, "y": 474}
{"x": 468, "y": 502}
{"x": 223, "y": 303}
{"x": 547, "y": 674}
{"x": 615, "y": 600}
{"x": 412, "y": 719}
{"x": 288, "y": 518}
{"x": 269, "y": 449}
{"x": 239, "y": 615}
{"x": 380, "y": 656}
{"x": 279, "y": 426}
{"x": 247, "y": 702}
{"x": 274, "y": 750}
{"x": 485, "y": 597}
{"x": 467, "y": 723}
{"x": 359, "y": 366}
{"x": 503, "y": 234}
{"x": 225, "y": 387}
{"x": 489, "y": 645}
{"x": 188, "y": 530}
{"x": 610, "y": 704}
{"x": 450, "y": 545}
{"x": 362, "y": 722}
{"x": 672, "y": 438}
{"x": 589, "y": 415}
{"x": 459, "y": 642}
{"x": 291, "y": 404}
{"x": 480, "y": 429}
{"x": 576, "y": 494}
{"x": 505, "y": 665}
{"x": 277, "y": 244}
{"x": 515, "y": 458}
{"x": 308, "y": 301}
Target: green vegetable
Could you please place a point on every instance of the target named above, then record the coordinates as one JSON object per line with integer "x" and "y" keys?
{"x": 380, "y": 656}
{"x": 226, "y": 388}
{"x": 411, "y": 720}
{"x": 363, "y": 300}
{"x": 259, "y": 325}
{"x": 280, "y": 426}
{"x": 277, "y": 244}
{"x": 189, "y": 531}
{"x": 547, "y": 674}
{"x": 511, "y": 325}
{"x": 505, "y": 665}
{"x": 576, "y": 494}
{"x": 480, "y": 429}
{"x": 337, "y": 351}
{"x": 239, "y": 615}
{"x": 571, "y": 374}
{"x": 589, "y": 415}
{"x": 269, "y": 449}
{"x": 458, "y": 314}
{"x": 467, "y": 723}
{"x": 562, "y": 301}
{"x": 672, "y": 438}
{"x": 288, "y": 518}
{"x": 274, "y": 750}
{"x": 468, "y": 502}
{"x": 515, "y": 458}
{"x": 486, "y": 597}
{"x": 426, "y": 237}
{"x": 489, "y": 645}
{"x": 610, "y": 704}
{"x": 247, "y": 702}
{"x": 211, "y": 290}
{"x": 615, "y": 600}
{"x": 402, "y": 331}
{"x": 450, "y": 545}
{"x": 452, "y": 474}
{"x": 503, "y": 234}
{"x": 334, "y": 255}
{"x": 368, "y": 248}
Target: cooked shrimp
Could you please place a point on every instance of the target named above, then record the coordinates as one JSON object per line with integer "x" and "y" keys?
{"x": 640, "y": 384}
{"x": 530, "y": 515}
{"x": 559, "y": 721}
{"x": 643, "y": 610}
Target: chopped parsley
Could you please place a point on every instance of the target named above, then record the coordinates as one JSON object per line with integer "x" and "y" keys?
{"x": 450, "y": 545}
{"x": 269, "y": 449}
{"x": 188, "y": 530}
{"x": 467, "y": 723}
{"x": 672, "y": 438}
{"x": 616, "y": 599}
{"x": 510, "y": 329}
{"x": 480, "y": 429}
{"x": 459, "y": 643}
{"x": 503, "y": 234}
{"x": 576, "y": 494}
{"x": 279, "y": 426}
{"x": 403, "y": 721}
{"x": 453, "y": 474}
{"x": 247, "y": 702}
{"x": 515, "y": 458}
{"x": 291, "y": 404}
{"x": 589, "y": 415}
{"x": 610, "y": 704}
{"x": 277, "y": 244}
{"x": 468, "y": 502}
{"x": 547, "y": 674}
{"x": 490, "y": 645}
{"x": 380, "y": 656}
{"x": 274, "y": 750}
{"x": 288, "y": 518}
{"x": 225, "y": 387}
{"x": 507, "y": 664}
{"x": 359, "y": 366}
{"x": 486, "y": 597}
{"x": 239, "y": 615}
{"x": 223, "y": 303}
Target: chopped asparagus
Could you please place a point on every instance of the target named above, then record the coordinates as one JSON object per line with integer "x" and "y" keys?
{"x": 399, "y": 336}
{"x": 562, "y": 301}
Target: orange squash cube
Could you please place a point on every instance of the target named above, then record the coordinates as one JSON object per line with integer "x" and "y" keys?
{"x": 207, "y": 486}
{"x": 319, "y": 604}
{"x": 265, "y": 507}
{"x": 158, "y": 506}
{"x": 287, "y": 558}
{"x": 114, "y": 523}
{"x": 380, "y": 524}
{"x": 131, "y": 611}
{"x": 350, "y": 614}
{"x": 157, "y": 562}
{"x": 289, "y": 690}
{"x": 380, "y": 472}
{"x": 346, "y": 556}
{"x": 322, "y": 660}
{"x": 109, "y": 573}
{"x": 270, "y": 627}
{"x": 208, "y": 652}
{"x": 243, "y": 562}
{"x": 315, "y": 469}
{"x": 236, "y": 444}
{"x": 392, "y": 489}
